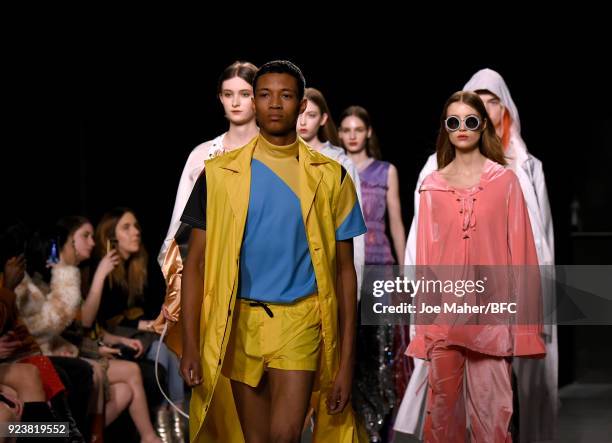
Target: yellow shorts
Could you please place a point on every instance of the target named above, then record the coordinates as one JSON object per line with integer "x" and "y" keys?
{"x": 289, "y": 340}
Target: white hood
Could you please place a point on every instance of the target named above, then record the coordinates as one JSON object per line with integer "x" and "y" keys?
{"x": 492, "y": 81}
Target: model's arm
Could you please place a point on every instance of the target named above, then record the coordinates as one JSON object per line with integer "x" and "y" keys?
{"x": 396, "y": 225}
{"x": 192, "y": 169}
{"x": 192, "y": 288}
{"x": 346, "y": 292}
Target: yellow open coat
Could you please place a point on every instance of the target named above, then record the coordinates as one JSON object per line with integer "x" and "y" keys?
{"x": 228, "y": 181}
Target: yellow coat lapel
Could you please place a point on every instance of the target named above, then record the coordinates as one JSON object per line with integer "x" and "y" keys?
{"x": 310, "y": 177}
{"x": 238, "y": 185}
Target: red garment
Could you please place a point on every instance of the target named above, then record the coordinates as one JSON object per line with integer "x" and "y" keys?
{"x": 487, "y": 224}
{"x": 9, "y": 321}
{"x": 488, "y": 402}
{"x": 52, "y": 383}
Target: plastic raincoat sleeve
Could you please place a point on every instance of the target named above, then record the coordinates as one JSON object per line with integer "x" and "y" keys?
{"x": 544, "y": 205}
{"x": 527, "y": 327}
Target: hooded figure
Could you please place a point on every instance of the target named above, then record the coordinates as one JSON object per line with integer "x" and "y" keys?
{"x": 536, "y": 378}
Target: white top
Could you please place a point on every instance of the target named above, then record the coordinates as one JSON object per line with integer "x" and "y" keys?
{"x": 337, "y": 154}
{"x": 192, "y": 170}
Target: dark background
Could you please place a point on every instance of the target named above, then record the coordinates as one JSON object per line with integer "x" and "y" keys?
{"x": 107, "y": 117}
{"x": 111, "y": 122}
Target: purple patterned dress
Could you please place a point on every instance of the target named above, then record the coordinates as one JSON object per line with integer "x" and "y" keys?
{"x": 374, "y": 201}
{"x": 373, "y": 390}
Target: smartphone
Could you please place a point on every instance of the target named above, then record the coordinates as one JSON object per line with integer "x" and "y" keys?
{"x": 53, "y": 252}
{"x": 110, "y": 244}
{"x": 127, "y": 353}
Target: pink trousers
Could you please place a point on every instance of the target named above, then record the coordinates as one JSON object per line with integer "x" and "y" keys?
{"x": 486, "y": 403}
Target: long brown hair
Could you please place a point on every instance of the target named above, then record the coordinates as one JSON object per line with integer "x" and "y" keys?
{"x": 327, "y": 132}
{"x": 245, "y": 70}
{"x": 490, "y": 145}
{"x": 133, "y": 280}
{"x": 372, "y": 145}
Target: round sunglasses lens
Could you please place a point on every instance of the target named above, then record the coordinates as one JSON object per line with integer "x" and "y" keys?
{"x": 452, "y": 123}
{"x": 472, "y": 123}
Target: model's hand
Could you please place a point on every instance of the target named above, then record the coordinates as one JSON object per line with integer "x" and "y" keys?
{"x": 340, "y": 394}
{"x": 191, "y": 367}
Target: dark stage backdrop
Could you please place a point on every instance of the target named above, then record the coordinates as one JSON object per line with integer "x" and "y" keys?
{"x": 112, "y": 122}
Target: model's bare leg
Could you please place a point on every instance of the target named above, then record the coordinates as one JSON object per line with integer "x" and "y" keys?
{"x": 253, "y": 406}
{"x": 290, "y": 397}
